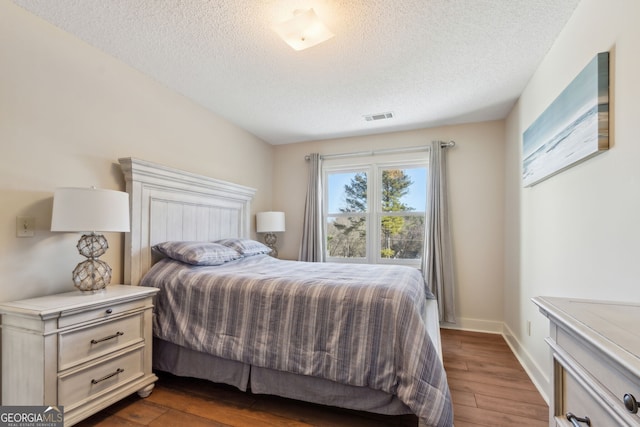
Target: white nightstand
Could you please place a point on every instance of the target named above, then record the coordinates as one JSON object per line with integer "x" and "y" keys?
{"x": 83, "y": 351}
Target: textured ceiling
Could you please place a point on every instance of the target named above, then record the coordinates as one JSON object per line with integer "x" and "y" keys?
{"x": 430, "y": 62}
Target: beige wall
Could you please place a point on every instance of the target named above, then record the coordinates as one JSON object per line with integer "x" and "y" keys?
{"x": 67, "y": 113}
{"x": 576, "y": 234}
{"x": 476, "y": 172}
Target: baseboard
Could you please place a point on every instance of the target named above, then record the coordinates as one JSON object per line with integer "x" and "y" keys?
{"x": 475, "y": 325}
{"x": 537, "y": 375}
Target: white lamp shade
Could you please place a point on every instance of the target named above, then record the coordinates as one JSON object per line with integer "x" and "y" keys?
{"x": 270, "y": 222}
{"x": 304, "y": 30}
{"x": 90, "y": 209}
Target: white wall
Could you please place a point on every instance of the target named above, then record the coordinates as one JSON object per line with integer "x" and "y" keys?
{"x": 576, "y": 234}
{"x": 476, "y": 173}
{"x": 67, "y": 113}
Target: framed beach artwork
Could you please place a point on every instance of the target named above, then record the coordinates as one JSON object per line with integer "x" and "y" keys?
{"x": 573, "y": 128}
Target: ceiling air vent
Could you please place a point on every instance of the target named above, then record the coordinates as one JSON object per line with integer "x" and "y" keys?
{"x": 379, "y": 116}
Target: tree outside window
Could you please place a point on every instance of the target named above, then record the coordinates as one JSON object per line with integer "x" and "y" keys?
{"x": 398, "y": 198}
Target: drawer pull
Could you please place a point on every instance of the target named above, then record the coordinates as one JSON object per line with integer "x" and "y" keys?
{"x": 109, "y": 310}
{"x": 110, "y": 337}
{"x": 630, "y": 403}
{"x": 106, "y": 377}
{"x": 576, "y": 420}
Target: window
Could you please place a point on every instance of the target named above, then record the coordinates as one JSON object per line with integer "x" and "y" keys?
{"x": 375, "y": 213}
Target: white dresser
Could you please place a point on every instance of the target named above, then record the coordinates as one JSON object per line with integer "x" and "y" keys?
{"x": 596, "y": 362}
{"x": 83, "y": 351}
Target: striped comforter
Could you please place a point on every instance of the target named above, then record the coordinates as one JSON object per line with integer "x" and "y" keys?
{"x": 355, "y": 324}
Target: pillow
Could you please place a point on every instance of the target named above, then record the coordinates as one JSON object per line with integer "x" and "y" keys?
{"x": 198, "y": 253}
{"x": 246, "y": 247}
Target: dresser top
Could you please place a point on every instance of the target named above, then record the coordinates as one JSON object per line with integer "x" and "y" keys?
{"x": 70, "y": 301}
{"x": 613, "y": 327}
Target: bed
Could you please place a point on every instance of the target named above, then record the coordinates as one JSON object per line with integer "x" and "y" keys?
{"x": 297, "y": 348}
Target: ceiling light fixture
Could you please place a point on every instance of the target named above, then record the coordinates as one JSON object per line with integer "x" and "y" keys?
{"x": 304, "y": 30}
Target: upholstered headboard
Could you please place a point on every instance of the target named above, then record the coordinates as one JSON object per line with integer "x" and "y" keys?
{"x": 170, "y": 204}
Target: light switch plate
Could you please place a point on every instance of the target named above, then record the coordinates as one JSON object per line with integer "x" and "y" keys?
{"x": 25, "y": 226}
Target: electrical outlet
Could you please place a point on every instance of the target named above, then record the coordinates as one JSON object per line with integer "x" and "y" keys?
{"x": 529, "y": 327}
{"x": 25, "y": 226}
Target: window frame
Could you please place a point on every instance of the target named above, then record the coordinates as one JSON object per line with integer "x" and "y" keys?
{"x": 374, "y": 169}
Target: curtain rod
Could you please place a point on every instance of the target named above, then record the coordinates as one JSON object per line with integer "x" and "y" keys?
{"x": 447, "y": 144}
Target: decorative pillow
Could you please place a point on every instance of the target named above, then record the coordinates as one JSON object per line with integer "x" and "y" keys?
{"x": 198, "y": 253}
{"x": 246, "y": 247}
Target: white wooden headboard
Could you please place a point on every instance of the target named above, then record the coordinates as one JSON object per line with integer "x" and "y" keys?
{"x": 170, "y": 204}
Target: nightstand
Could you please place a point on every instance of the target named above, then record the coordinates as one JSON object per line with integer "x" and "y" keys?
{"x": 83, "y": 351}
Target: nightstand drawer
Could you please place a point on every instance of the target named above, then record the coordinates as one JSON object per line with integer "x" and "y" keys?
{"x": 78, "y": 387}
{"x": 103, "y": 312}
{"x": 81, "y": 345}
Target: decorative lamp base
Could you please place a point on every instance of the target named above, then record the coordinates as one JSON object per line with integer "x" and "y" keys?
{"x": 92, "y": 274}
{"x": 270, "y": 240}
{"x": 92, "y": 245}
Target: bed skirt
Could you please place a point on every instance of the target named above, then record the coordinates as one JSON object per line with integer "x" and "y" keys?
{"x": 184, "y": 362}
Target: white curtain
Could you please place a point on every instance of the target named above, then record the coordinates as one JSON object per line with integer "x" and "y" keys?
{"x": 312, "y": 247}
{"x": 437, "y": 262}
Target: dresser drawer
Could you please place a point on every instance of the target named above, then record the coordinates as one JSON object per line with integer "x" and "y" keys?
{"x": 80, "y": 386}
{"x": 576, "y": 400}
{"x": 81, "y": 345}
{"x": 613, "y": 379}
{"x": 102, "y": 312}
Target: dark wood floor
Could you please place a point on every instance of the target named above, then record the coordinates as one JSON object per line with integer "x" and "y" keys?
{"x": 488, "y": 386}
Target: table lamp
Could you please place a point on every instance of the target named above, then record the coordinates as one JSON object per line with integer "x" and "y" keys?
{"x": 90, "y": 210}
{"x": 270, "y": 223}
